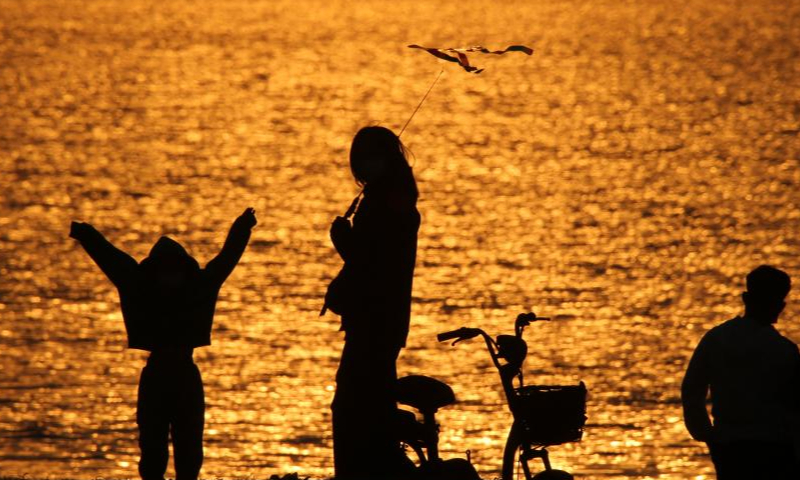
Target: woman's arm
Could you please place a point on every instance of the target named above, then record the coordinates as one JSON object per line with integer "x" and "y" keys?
{"x": 239, "y": 235}
{"x": 342, "y": 237}
{"x": 117, "y": 265}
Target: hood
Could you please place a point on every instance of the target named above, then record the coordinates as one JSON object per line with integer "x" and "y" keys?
{"x": 167, "y": 251}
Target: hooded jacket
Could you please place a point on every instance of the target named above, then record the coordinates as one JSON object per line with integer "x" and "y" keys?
{"x": 167, "y": 300}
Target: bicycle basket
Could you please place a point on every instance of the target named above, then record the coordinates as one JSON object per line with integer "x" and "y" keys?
{"x": 551, "y": 414}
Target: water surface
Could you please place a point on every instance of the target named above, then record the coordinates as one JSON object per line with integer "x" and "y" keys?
{"x": 623, "y": 179}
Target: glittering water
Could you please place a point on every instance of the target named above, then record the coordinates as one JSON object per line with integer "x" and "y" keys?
{"x": 622, "y": 179}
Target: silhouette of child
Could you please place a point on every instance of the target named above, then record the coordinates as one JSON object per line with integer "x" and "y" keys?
{"x": 167, "y": 304}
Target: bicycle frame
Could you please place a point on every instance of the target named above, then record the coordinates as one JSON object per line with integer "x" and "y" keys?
{"x": 514, "y": 366}
{"x": 513, "y": 350}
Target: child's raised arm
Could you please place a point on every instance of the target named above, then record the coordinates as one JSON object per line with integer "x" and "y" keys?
{"x": 223, "y": 264}
{"x": 116, "y": 264}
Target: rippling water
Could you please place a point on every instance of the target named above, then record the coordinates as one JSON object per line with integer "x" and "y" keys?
{"x": 622, "y": 179}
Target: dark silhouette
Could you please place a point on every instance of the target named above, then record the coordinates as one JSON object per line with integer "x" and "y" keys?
{"x": 374, "y": 300}
{"x": 168, "y": 304}
{"x": 753, "y": 374}
{"x": 427, "y": 395}
{"x": 544, "y": 415}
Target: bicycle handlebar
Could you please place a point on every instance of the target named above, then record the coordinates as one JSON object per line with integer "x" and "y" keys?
{"x": 530, "y": 317}
{"x": 443, "y": 337}
{"x": 465, "y": 333}
{"x": 462, "y": 333}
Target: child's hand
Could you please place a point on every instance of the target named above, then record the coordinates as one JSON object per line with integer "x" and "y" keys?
{"x": 248, "y": 218}
{"x": 76, "y": 229}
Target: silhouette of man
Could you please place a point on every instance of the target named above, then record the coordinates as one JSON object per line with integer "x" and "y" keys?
{"x": 168, "y": 304}
{"x": 753, "y": 373}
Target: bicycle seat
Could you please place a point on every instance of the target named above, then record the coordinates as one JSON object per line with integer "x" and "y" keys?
{"x": 426, "y": 394}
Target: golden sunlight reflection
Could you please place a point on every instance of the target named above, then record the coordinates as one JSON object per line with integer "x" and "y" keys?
{"x": 622, "y": 179}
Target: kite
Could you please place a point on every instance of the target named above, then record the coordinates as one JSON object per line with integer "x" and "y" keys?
{"x": 460, "y": 56}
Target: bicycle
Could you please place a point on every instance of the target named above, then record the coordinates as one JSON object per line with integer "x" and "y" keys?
{"x": 544, "y": 415}
{"x": 427, "y": 395}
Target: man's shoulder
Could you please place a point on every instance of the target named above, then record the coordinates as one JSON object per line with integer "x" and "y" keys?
{"x": 738, "y": 329}
{"x": 727, "y": 332}
{"x": 724, "y": 327}
{"x": 787, "y": 342}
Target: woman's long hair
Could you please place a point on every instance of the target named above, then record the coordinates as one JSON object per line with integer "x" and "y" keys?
{"x": 378, "y": 160}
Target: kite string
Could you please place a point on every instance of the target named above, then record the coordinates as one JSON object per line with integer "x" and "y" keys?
{"x": 421, "y": 102}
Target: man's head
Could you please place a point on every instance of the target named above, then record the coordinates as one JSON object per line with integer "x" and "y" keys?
{"x": 767, "y": 288}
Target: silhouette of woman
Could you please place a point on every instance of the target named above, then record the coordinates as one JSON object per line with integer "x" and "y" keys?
{"x": 379, "y": 250}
